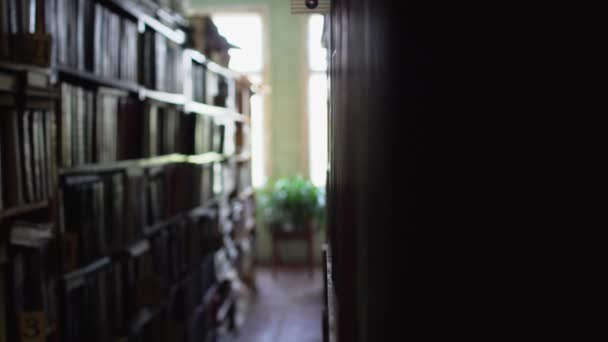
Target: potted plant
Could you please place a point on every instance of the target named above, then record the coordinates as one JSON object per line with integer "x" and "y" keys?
{"x": 291, "y": 204}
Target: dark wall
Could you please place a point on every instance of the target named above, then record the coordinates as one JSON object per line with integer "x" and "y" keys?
{"x": 468, "y": 172}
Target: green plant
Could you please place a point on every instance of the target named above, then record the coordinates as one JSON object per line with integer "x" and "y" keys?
{"x": 291, "y": 202}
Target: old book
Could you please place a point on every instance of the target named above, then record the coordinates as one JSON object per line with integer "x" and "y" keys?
{"x": 27, "y": 156}
{"x": 116, "y": 298}
{"x": 151, "y": 130}
{"x": 77, "y": 144}
{"x": 36, "y": 155}
{"x": 80, "y": 32}
{"x": 130, "y": 119}
{"x": 65, "y": 125}
{"x": 11, "y": 155}
{"x": 98, "y": 227}
{"x": 89, "y": 125}
{"x": 50, "y": 148}
{"x": 98, "y": 39}
{"x": 115, "y": 45}
{"x": 4, "y": 30}
{"x": 82, "y": 208}
{"x": 115, "y": 213}
{"x": 160, "y": 51}
{"x": 107, "y": 124}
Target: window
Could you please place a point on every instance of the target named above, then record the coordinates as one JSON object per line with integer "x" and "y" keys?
{"x": 317, "y": 101}
{"x": 245, "y": 30}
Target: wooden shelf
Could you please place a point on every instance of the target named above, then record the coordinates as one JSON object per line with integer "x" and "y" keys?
{"x": 156, "y": 228}
{"x": 25, "y": 67}
{"x": 201, "y": 159}
{"x": 220, "y": 113}
{"x": 22, "y": 210}
{"x": 70, "y": 74}
{"x": 161, "y": 96}
{"x": 83, "y": 271}
{"x": 199, "y": 58}
{"x": 136, "y": 12}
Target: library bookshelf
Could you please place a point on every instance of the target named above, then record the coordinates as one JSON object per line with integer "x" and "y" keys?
{"x": 126, "y": 204}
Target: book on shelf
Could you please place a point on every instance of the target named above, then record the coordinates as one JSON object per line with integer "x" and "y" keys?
{"x": 93, "y": 208}
{"x": 32, "y": 286}
{"x": 89, "y": 298}
{"x": 11, "y": 155}
{"x": 27, "y": 145}
{"x": 24, "y": 34}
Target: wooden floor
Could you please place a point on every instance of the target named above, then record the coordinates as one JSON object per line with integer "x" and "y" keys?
{"x": 286, "y": 309}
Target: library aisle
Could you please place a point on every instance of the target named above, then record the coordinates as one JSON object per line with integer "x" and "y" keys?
{"x": 287, "y": 308}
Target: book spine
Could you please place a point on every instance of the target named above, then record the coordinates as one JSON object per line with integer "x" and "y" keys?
{"x": 11, "y": 154}
{"x": 26, "y": 156}
{"x": 89, "y": 113}
{"x": 80, "y": 19}
{"x": 65, "y": 125}
{"x": 35, "y": 153}
{"x": 4, "y": 30}
{"x": 98, "y": 40}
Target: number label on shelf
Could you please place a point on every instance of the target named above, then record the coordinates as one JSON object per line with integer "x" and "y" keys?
{"x": 33, "y": 326}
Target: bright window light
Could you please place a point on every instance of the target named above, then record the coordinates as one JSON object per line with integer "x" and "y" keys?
{"x": 244, "y": 31}
{"x": 317, "y": 101}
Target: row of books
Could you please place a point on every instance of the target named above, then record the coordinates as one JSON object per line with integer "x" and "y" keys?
{"x": 24, "y": 31}
{"x": 27, "y": 148}
{"x": 94, "y": 205}
{"x": 89, "y": 37}
{"x": 172, "y": 283}
{"x": 95, "y": 123}
{"x": 162, "y": 63}
{"x": 171, "y": 273}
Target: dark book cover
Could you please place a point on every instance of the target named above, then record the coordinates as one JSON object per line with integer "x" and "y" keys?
{"x": 98, "y": 226}
{"x": 115, "y": 234}
{"x": 130, "y": 133}
{"x": 51, "y": 150}
{"x": 11, "y": 155}
{"x": 137, "y": 197}
{"x": 5, "y": 51}
{"x": 89, "y": 34}
{"x": 82, "y": 215}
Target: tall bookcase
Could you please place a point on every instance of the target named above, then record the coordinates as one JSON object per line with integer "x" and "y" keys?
{"x": 126, "y": 207}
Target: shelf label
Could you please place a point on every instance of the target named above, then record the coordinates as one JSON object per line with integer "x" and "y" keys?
{"x": 33, "y": 326}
